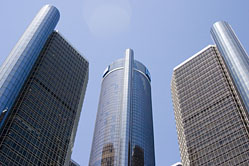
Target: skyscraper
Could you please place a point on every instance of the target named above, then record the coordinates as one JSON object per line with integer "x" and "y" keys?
{"x": 235, "y": 56}
{"x": 43, "y": 83}
{"x": 19, "y": 63}
{"x": 210, "y": 110}
{"x": 123, "y": 132}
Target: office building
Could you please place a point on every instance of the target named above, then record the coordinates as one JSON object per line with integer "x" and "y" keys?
{"x": 235, "y": 57}
{"x": 17, "y": 66}
{"x": 123, "y": 132}
{"x": 43, "y": 83}
{"x": 211, "y": 120}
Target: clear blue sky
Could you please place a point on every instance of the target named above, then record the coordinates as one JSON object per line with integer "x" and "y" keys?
{"x": 163, "y": 33}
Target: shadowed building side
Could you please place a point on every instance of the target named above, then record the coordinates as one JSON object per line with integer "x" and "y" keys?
{"x": 137, "y": 156}
{"x": 41, "y": 125}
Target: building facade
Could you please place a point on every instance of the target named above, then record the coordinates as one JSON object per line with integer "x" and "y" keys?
{"x": 212, "y": 124}
{"x": 235, "y": 56}
{"x": 17, "y": 66}
{"x": 123, "y": 132}
{"x": 47, "y": 79}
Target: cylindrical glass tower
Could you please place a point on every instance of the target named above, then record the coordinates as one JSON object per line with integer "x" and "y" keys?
{"x": 235, "y": 56}
{"x": 18, "y": 64}
{"x": 124, "y": 125}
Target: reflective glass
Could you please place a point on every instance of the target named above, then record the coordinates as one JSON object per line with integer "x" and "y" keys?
{"x": 18, "y": 64}
{"x": 235, "y": 57}
{"x": 124, "y": 127}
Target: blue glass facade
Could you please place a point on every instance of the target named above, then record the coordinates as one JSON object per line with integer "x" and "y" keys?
{"x": 42, "y": 88}
{"x": 235, "y": 56}
{"x": 124, "y": 127}
{"x": 17, "y": 66}
{"x": 41, "y": 126}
